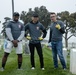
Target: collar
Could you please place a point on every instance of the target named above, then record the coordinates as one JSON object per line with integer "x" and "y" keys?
{"x": 34, "y": 23}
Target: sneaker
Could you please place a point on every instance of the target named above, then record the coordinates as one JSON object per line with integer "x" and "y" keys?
{"x": 64, "y": 68}
{"x": 19, "y": 69}
{"x": 2, "y": 69}
{"x": 33, "y": 68}
{"x": 43, "y": 68}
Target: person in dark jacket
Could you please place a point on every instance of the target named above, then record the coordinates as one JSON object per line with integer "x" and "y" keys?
{"x": 35, "y": 29}
{"x": 14, "y": 35}
{"x": 55, "y": 38}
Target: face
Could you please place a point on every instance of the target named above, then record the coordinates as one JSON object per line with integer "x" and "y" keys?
{"x": 53, "y": 17}
{"x": 16, "y": 18}
{"x": 35, "y": 19}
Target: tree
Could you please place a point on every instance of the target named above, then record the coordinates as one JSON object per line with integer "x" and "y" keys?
{"x": 26, "y": 17}
{"x": 44, "y": 15}
{"x": 4, "y": 25}
{"x": 70, "y": 24}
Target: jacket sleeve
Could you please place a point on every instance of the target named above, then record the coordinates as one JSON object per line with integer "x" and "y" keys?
{"x": 8, "y": 31}
{"x": 22, "y": 33}
{"x": 26, "y": 29}
{"x": 62, "y": 30}
{"x": 44, "y": 31}
{"x": 50, "y": 35}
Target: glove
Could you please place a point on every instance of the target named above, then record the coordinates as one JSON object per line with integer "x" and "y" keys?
{"x": 58, "y": 26}
{"x": 15, "y": 43}
{"x": 40, "y": 38}
{"x": 28, "y": 37}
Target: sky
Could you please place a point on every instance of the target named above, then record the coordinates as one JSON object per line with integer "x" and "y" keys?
{"x": 24, "y": 5}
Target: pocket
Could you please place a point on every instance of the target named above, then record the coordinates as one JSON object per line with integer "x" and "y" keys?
{"x": 7, "y": 44}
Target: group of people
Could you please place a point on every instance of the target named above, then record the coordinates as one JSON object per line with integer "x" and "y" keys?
{"x": 15, "y": 31}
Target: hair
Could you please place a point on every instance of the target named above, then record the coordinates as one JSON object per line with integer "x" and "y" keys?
{"x": 52, "y": 13}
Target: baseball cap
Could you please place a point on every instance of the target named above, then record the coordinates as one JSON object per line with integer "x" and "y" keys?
{"x": 35, "y": 15}
{"x": 15, "y": 14}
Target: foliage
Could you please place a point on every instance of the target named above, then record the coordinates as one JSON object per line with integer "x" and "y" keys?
{"x": 70, "y": 24}
{"x": 44, "y": 15}
{"x": 69, "y": 21}
{"x": 4, "y": 25}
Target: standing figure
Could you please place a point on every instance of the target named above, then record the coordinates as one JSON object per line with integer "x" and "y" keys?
{"x": 35, "y": 29}
{"x": 56, "y": 32}
{"x": 14, "y": 35}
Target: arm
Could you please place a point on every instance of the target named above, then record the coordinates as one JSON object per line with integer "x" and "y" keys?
{"x": 62, "y": 30}
{"x": 50, "y": 35}
{"x": 44, "y": 31}
{"x": 8, "y": 31}
{"x": 22, "y": 34}
{"x": 26, "y": 28}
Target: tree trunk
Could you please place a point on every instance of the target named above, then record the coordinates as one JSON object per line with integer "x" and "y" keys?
{"x": 66, "y": 40}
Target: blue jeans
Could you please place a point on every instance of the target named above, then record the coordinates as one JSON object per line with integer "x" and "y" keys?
{"x": 57, "y": 50}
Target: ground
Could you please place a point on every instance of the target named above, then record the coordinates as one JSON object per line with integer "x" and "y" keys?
{"x": 11, "y": 65}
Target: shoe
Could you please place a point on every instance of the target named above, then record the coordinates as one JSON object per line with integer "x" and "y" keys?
{"x": 2, "y": 69}
{"x": 64, "y": 68}
{"x": 33, "y": 68}
{"x": 19, "y": 69}
{"x": 43, "y": 68}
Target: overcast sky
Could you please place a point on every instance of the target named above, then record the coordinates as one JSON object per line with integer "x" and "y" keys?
{"x": 24, "y": 5}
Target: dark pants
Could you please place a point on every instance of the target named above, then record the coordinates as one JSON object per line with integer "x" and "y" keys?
{"x": 39, "y": 51}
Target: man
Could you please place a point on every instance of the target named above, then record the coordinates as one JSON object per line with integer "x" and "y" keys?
{"x": 35, "y": 28}
{"x": 56, "y": 31}
{"x": 15, "y": 33}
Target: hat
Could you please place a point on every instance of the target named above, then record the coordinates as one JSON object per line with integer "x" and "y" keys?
{"x": 15, "y": 14}
{"x": 35, "y": 15}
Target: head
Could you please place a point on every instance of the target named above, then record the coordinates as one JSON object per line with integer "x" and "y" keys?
{"x": 35, "y": 17}
{"x": 15, "y": 16}
{"x": 53, "y": 17}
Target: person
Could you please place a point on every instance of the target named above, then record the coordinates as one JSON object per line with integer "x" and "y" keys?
{"x": 14, "y": 35}
{"x": 55, "y": 38}
{"x": 35, "y": 28}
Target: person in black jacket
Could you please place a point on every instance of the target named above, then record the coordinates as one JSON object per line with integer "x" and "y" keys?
{"x": 35, "y": 29}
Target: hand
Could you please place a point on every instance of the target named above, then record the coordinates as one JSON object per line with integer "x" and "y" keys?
{"x": 40, "y": 38}
{"x": 58, "y": 26}
{"x": 28, "y": 37}
{"x": 15, "y": 43}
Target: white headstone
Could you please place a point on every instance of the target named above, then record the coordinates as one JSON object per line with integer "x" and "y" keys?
{"x": 65, "y": 54}
{"x": 73, "y": 61}
{"x": 0, "y": 47}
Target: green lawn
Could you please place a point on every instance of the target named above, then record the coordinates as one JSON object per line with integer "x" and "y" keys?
{"x": 11, "y": 66}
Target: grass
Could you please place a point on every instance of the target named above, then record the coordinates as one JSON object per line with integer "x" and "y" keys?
{"x": 11, "y": 65}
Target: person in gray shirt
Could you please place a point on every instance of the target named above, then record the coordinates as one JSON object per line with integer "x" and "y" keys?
{"x": 14, "y": 35}
{"x": 55, "y": 38}
{"x": 35, "y": 28}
